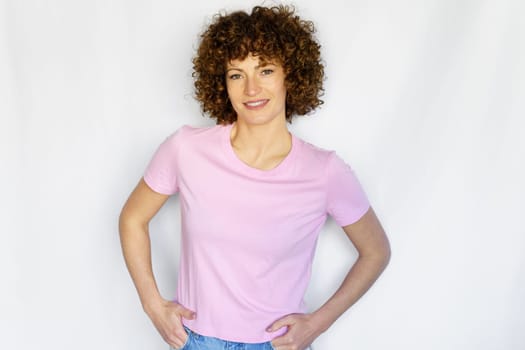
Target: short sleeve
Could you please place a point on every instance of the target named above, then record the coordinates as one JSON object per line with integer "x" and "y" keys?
{"x": 162, "y": 170}
{"x": 346, "y": 200}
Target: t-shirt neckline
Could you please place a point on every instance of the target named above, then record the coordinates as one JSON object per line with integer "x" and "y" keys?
{"x": 279, "y": 168}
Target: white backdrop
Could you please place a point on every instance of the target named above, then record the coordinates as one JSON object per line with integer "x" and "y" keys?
{"x": 424, "y": 98}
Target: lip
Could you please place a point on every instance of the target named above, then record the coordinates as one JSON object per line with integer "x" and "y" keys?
{"x": 256, "y": 104}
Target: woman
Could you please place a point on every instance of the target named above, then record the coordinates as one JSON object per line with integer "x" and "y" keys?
{"x": 253, "y": 196}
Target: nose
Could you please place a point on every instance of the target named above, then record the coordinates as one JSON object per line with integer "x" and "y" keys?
{"x": 251, "y": 86}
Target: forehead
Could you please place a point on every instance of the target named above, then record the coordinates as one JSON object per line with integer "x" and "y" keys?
{"x": 252, "y": 61}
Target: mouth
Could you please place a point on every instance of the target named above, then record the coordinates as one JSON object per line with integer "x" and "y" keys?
{"x": 256, "y": 104}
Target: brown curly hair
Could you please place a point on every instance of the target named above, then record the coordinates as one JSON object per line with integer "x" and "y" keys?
{"x": 272, "y": 34}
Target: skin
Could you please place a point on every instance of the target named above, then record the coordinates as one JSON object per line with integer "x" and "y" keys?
{"x": 261, "y": 139}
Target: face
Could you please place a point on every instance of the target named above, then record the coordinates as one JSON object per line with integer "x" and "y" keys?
{"x": 256, "y": 90}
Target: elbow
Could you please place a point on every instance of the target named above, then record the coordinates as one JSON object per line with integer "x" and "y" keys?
{"x": 386, "y": 255}
{"x": 129, "y": 224}
{"x": 380, "y": 255}
{"x": 123, "y": 225}
{"x": 123, "y": 220}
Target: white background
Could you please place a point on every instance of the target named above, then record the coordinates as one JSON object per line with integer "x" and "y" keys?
{"x": 424, "y": 98}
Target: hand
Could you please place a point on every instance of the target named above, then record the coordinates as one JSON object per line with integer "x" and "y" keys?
{"x": 167, "y": 318}
{"x": 301, "y": 332}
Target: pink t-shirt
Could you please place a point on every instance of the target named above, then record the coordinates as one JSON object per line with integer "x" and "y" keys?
{"x": 248, "y": 235}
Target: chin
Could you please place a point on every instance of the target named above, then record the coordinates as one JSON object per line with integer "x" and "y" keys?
{"x": 257, "y": 120}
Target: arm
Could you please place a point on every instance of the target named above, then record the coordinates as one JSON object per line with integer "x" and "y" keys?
{"x": 371, "y": 242}
{"x": 140, "y": 208}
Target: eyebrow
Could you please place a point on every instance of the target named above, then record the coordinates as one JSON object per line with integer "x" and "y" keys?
{"x": 233, "y": 68}
{"x": 256, "y": 67}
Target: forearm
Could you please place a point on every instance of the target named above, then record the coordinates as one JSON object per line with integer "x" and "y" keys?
{"x": 136, "y": 249}
{"x": 359, "y": 279}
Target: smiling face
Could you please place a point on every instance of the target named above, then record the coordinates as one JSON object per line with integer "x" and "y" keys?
{"x": 256, "y": 90}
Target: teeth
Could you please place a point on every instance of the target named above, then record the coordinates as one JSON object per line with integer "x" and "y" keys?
{"x": 256, "y": 103}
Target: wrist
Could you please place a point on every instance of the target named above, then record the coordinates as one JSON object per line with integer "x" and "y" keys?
{"x": 322, "y": 320}
{"x": 152, "y": 304}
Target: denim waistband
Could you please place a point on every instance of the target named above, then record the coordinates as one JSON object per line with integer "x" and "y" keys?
{"x": 197, "y": 341}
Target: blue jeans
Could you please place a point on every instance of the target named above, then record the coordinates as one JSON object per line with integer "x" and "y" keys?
{"x": 200, "y": 342}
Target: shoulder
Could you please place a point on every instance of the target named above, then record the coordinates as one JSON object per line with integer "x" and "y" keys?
{"x": 325, "y": 160}
{"x": 312, "y": 153}
{"x": 188, "y": 134}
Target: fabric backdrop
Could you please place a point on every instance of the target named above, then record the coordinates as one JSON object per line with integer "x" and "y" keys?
{"x": 424, "y": 98}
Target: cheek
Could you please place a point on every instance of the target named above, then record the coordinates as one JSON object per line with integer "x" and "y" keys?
{"x": 281, "y": 91}
{"x": 228, "y": 88}
{"x": 279, "y": 87}
{"x": 232, "y": 90}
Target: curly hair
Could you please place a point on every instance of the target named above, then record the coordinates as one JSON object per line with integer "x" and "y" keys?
{"x": 274, "y": 33}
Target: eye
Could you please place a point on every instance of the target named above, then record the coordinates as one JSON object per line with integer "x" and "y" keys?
{"x": 234, "y": 76}
{"x": 267, "y": 71}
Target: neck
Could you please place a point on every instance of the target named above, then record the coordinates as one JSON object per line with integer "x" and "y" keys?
{"x": 261, "y": 146}
{"x": 265, "y": 137}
